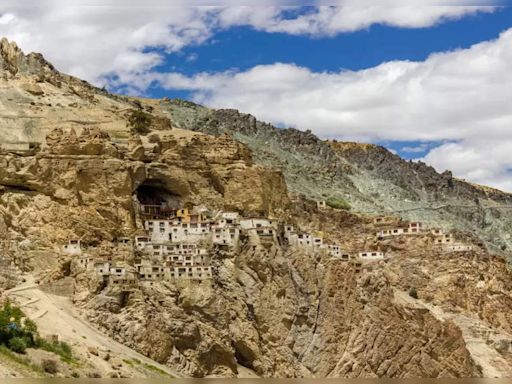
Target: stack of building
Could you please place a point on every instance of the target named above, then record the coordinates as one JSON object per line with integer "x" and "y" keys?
{"x": 177, "y": 245}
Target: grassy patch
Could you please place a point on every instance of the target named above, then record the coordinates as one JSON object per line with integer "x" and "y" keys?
{"x": 338, "y": 203}
{"x": 150, "y": 367}
{"x": 18, "y": 359}
{"x": 129, "y": 362}
{"x": 61, "y": 348}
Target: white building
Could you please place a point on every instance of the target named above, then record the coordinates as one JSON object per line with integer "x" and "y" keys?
{"x": 226, "y": 236}
{"x": 189, "y": 273}
{"x": 250, "y": 223}
{"x": 444, "y": 239}
{"x": 148, "y": 271}
{"x": 175, "y": 249}
{"x": 458, "y": 248}
{"x": 334, "y": 250}
{"x": 371, "y": 255}
{"x": 117, "y": 271}
{"x": 73, "y": 248}
{"x": 228, "y": 219}
{"x": 290, "y": 235}
{"x": 102, "y": 268}
{"x": 390, "y": 232}
{"x": 86, "y": 262}
{"x": 142, "y": 242}
{"x": 384, "y": 220}
{"x": 307, "y": 240}
{"x": 265, "y": 234}
{"x": 321, "y": 204}
{"x": 414, "y": 228}
{"x": 163, "y": 231}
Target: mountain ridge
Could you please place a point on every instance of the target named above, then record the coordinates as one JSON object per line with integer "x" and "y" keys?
{"x": 215, "y": 244}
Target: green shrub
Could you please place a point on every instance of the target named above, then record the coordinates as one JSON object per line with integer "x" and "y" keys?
{"x": 338, "y": 203}
{"x": 49, "y": 366}
{"x": 140, "y": 122}
{"x": 17, "y": 344}
{"x": 60, "y": 348}
{"x": 16, "y": 331}
{"x": 413, "y": 293}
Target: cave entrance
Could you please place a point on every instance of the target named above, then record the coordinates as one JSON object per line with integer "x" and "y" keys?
{"x": 156, "y": 201}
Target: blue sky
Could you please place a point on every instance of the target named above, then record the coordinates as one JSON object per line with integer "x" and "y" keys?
{"x": 429, "y": 79}
{"x": 244, "y": 47}
{"x": 241, "y": 48}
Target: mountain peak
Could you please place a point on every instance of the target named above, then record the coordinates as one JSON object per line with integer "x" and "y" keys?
{"x": 13, "y": 60}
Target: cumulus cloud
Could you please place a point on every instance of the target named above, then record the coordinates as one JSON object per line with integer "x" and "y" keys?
{"x": 110, "y": 39}
{"x": 97, "y": 41}
{"x": 460, "y": 97}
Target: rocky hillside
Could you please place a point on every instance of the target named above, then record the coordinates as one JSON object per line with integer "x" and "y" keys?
{"x": 77, "y": 163}
{"x": 369, "y": 177}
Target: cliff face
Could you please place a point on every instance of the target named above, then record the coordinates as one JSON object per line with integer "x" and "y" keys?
{"x": 285, "y": 315}
{"x": 83, "y": 187}
{"x": 274, "y": 309}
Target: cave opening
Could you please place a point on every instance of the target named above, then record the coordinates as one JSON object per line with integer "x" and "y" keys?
{"x": 156, "y": 200}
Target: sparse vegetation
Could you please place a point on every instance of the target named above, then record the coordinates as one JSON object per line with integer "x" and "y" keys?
{"x": 49, "y": 366}
{"x": 413, "y": 293}
{"x": 16, "y": 331}
{"x": 19, "y": 359}
{"x": 155, "y": 369}
{"x": 140, "y": 122}
{"x": 338, "y": 203}
{"x": 17, "y": 344}
{"x": 128, "y": 362}
{"x": 59, "y": 348}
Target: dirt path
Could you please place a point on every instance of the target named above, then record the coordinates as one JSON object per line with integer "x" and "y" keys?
{"x": 475, "y": 334}
{"x": 55, "y": 315}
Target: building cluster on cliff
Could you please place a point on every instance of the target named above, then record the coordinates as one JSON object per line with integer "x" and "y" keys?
{"x": 177, "y": 244}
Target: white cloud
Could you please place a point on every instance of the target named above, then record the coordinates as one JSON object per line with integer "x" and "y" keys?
{"x": 486, "y": 162}
{"x": 461, "y": 96}
{"x": 93, "y": 39}
{"x": 353, "y": 15}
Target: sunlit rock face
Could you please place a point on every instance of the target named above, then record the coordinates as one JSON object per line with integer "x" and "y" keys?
{"x": 72, "y": 168}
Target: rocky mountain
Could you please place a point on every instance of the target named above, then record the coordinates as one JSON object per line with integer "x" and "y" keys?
{"x": 79, "y": 164}
{"x": 369, "y": 177}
